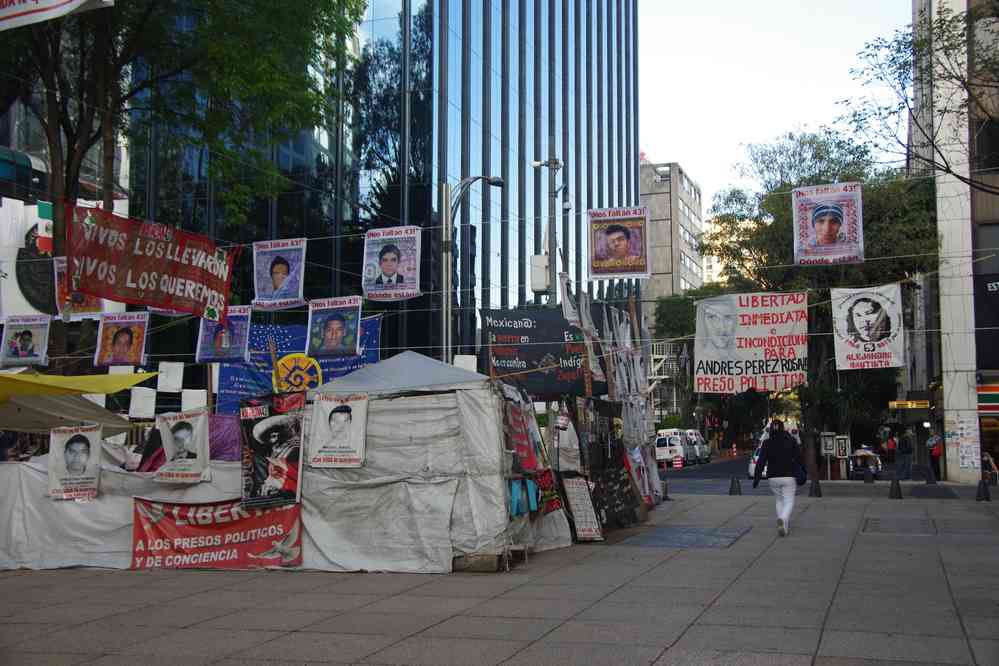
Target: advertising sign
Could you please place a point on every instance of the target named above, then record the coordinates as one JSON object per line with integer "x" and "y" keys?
{"x": 185, "y": 446}
{"x": 145, "y": 263}
{"x": 828, "y": 224}
{"x": 121, "y": 339}
{"x": 868, "y": 327}
{"x": 333, "y": 327}
{"x": 987, "y": 321}
{"x": 619, "y": 243}
{"x": 278, "y": 273}
{"x": 272, "y": 449}
{"x": 219, "y": 342}
{"x": 74, "y": 462}
{"x": 391, "y": 264}
{"x": 339, "y": 425}
{"x": 219, "y": 535}
{"x": 25, "y": 340}
{"x": 757, "y": 341}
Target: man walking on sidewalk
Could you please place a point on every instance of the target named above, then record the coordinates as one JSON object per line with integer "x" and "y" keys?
{"x": 903, "y": 470}
{"x": 780, "y": 454}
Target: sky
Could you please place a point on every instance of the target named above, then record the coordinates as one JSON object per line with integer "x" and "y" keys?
{"x": 714, "y": 76}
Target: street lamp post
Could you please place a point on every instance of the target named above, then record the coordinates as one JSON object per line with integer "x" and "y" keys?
{"x": 553, "y": 164}
{"x": 451, "y": 201}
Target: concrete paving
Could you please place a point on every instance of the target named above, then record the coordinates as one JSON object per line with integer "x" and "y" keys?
{"x": 860, "y": 582}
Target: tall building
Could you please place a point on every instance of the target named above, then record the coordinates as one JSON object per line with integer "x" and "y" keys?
{"x": 674, "y": 202}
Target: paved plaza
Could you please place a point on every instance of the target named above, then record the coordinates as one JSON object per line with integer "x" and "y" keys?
{"x": 860, "y": 581}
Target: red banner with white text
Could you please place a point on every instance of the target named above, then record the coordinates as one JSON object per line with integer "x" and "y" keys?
{"x": 216, "y": 535}
{"x": 145, "y": 263}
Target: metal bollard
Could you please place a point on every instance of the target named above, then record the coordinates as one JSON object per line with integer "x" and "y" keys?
{"x": 735, "y": 488}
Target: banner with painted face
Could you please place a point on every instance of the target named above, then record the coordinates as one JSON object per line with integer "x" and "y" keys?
{"x": 828, "y": 224}
{"x": 391, "y": 264}
{"x": 121, "y": 339}
{"x": 745, "y": 341}
{"x": 868, "y": 327}
{"x": 619, "y": 243}
{"x": 271, "y": 428}
{"x": 339, "y": 425}
{"x": 334, "y": 327}
{"x": 75, "y": 462}
{"x": 278, "y": 273}
{"x": 25, "y": 340}
{"x": 225, "y": 343}
{"x": 185, "y": 445}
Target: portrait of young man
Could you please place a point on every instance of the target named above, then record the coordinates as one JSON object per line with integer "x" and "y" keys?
{"x": 388, "y": 261}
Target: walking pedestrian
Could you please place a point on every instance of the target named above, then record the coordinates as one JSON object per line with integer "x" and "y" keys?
{"x": 780, "y": 454}
{"x": 903, "y": 470}
{"x": 891, "y": 445}
{"x": 935, "y": 446}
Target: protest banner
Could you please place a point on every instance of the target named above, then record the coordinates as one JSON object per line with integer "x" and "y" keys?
{"x": 278, "y": 273}
{"x": 619, "y": 243}
{"x": 339, "y": 425}
{"x": 745, "y": 341}
{"x": 75, "y": 462}
{"x": 294, "y": 370}
{"x": 121, "y": 339}
{"x": 828, "y": 224}
{"x": 391, "y": 264}
{"x": 25, "y": 340}
{"x": 333, "y": 327}
{"x": 145, "y": 263}
{"x": 216, "y": 535}
{"x": 868, "y": 327}
{"x": 224, "y": 341}
{"x": 570, "y": 309}
{"x": 272, "y": 431}
{"x": 16, "y": 13}
{"x": 81, "y": 306}
{"x": 185, "y": 446}
{"x": 538, "y": 350}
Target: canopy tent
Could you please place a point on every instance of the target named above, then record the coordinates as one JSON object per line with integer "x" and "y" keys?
{"x": 23, "y": 382}
{"x": 41, "y": 413}
{"x": 408, "y": 371}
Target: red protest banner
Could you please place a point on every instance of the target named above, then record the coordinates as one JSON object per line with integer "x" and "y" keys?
{"x": 144, "y": 263}
{"x": 217, "y": 535}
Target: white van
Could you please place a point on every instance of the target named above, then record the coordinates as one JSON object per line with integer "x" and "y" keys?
{"x": 676, "y": 438}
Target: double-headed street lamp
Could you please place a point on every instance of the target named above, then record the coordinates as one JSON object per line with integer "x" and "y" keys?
{"x": 452, "y": 199}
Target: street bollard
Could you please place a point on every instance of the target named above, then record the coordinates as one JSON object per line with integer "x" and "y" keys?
{"x": 735, "y": 488}
{"x": 983, "y": 492}
{"x": 896, "y": 490}
{"x": 666, "y": 497}
{"x": 815, "y": 490}
{"x": 868, "y": 475}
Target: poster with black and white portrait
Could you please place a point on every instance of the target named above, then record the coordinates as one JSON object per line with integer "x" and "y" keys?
{"x": 271, "y": 428}
{"x": 185, "y": 446}
{"x": 75, "y": 462}
{"x": 868, "y": 327}
{"x": 339, "y": 425}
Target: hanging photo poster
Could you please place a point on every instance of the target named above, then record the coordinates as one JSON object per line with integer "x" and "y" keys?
{"x": 339, "y": 426}
{"x": 81, "y": 306}
{"x": 828, "y": 224}
{"x": 391, "y": 264}
{"x": 25, "y": 340}
{"x": 185, "y": 447}
{"x": 271, "y": 429}
{"x": 569, "y": 308}
{"x": 584, "y": 517}
{"x": 334, "y": 327}
{"x": 225, "y": 342}
{"x": 278, "y": 273}
{"x": 121, "y": 339}
{"x": 75, "y": 462}
{"x": 757, "y": 341}
{"x": 868, "y": 327}
{"x": 619, "y": 243}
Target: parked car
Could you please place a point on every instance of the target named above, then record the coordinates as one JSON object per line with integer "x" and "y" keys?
{"x": 668, "y": 448}
{"x": 861, "y": 460}
{"x": 703, "y": 450}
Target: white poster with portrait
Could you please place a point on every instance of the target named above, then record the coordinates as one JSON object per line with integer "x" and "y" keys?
{"x": 75, "y": 462}
{"x": 25, "y": 340}
{"x": 751, "y": 341}
{"x": 828, "y": 224}
{"x": 391, "y": 264}
{"x": 185, "y": 446}
{"x": 278, "y": 273}
{"x": 619, "y": 243}
{"x": 225, "y": 342}
{"x": 868, "y": 327}
{"x": 121, "y": 339}
{"x": 339, "y": 425}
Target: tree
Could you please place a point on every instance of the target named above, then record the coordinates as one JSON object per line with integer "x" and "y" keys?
{"x": 927, "y": 83}
{"x": 238, "y": 76}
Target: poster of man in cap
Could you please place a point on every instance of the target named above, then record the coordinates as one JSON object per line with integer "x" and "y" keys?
{"x": 272, "y": 449}
{"x": 339, "y": 424}
{"x": 185, "y": 446}
{"x": 278, "y": 273}
{"x": 225, "y": 342}
{"x": 828, "y": 224}
{"x": 74, "y": 462}
{"x": 25, "y": 340}
{"x": 391, "y": 264}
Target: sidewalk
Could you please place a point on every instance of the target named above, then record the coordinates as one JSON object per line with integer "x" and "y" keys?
{"x": 859, "y": 581}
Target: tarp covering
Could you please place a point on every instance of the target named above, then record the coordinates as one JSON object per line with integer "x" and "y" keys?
{"x": 407, "y": 371}
{"x": 41, "y": 413}
{"x": 30, "y": 383}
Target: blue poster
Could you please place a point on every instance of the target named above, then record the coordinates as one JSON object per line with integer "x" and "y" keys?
{"x": 295, "y": 371}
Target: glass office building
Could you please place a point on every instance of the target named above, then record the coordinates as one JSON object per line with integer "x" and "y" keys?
{"x": 437, "y": 90}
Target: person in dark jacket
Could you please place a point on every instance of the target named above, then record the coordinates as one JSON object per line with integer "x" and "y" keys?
{"x": 779, "y": 455}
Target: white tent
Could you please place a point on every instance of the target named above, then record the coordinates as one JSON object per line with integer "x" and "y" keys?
{"x": 432, "y": 486}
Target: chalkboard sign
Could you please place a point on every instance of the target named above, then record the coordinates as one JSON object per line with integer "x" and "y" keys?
{"x": 614, "y": 498}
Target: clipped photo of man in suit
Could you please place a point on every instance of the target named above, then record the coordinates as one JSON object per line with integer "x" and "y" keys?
{"x": 388, "y": 262}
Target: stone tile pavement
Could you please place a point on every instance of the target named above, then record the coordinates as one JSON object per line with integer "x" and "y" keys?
{"x": 859, "y": 582}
